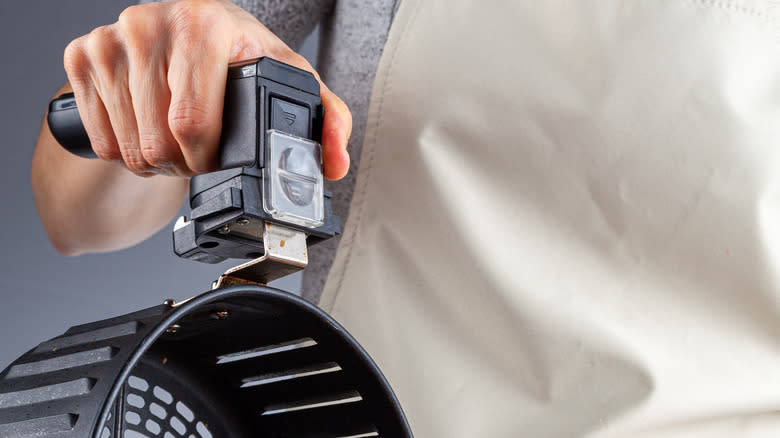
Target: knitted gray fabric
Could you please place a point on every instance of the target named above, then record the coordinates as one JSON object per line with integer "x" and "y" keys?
{"x": 354, "y": 33}
{"x": 291, "y": 20}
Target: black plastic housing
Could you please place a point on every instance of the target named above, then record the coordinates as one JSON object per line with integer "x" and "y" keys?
{"x": 253, "y": 95}
{"x": 173, "y": 370}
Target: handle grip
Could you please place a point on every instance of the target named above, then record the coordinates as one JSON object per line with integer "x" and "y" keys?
{"x": 66, "y": 126}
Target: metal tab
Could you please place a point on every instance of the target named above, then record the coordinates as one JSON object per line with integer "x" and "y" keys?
{"x": 285, "y": 253}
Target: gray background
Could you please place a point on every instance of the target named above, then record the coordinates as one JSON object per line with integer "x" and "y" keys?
{"x": 41, "y": 292}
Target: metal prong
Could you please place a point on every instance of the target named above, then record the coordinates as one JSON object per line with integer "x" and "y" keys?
{"x": 285, "y": 253}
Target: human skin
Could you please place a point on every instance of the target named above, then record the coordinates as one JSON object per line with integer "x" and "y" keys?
{"x": 150, "y": 90}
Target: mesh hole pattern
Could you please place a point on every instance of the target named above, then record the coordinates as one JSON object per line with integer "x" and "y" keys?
{"x": 153, "y": 411}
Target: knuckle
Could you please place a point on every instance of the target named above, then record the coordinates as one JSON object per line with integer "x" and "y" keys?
{"x": 105, "y": 149}
{"x": 193, "y": 20}
{"x": 136, "y": 163}
{"x": 132, "y": 15}
{"x": 200, "y": 166}
{"x": 138, "y": 25}
{"x": 105, "y": 53}
{"x": 156, "y": 151}
{"x": 75, "y": 59}
{"x": 101, "y": 37}
{"x": 188, "y": 121}
{"x": 103, "y": 47}
{"x": 291, "y": 57}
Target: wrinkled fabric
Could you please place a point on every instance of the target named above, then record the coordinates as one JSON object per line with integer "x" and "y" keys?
{"x": 566, "y": 221}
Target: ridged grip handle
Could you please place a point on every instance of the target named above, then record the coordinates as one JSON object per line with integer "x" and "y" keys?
{"x": 66, "y": 126}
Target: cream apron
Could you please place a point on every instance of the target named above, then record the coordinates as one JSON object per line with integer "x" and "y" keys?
{"x": 567, "y": 219}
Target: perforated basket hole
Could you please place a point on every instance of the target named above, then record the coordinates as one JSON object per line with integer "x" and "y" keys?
{"x": 151, "y": 411}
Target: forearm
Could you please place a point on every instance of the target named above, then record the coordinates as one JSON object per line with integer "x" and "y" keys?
{"x": 95, "y": 205}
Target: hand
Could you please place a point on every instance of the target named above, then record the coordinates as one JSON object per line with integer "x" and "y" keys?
{"x": 150, "y": 87}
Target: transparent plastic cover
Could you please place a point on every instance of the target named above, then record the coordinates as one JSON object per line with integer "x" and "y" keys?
{"x": 293, "y": 187}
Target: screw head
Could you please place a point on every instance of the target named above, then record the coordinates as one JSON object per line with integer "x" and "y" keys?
{"x": 173, "y": 329}
{"x": 220, "y": 314}
{"x": 242, "y": 221}
{"x": 224, "y": 229}
{"x": 170, "y": 302}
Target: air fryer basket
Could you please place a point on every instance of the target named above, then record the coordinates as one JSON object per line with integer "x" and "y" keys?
{"x": 243, "y": 361}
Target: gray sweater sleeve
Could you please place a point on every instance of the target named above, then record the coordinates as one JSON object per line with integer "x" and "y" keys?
{"x": 291, "y": 20}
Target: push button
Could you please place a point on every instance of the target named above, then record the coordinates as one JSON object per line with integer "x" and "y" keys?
{"x": 290, "y": 118}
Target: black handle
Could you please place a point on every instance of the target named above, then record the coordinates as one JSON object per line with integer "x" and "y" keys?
{"x": 66, "y": 126}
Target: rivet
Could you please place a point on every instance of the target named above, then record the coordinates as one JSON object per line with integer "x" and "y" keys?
{"x": 220, "y": 314}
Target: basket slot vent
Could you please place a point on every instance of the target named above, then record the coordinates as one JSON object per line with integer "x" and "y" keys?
{"x": 349, "y": 397}
{"x": 266, "y": 350}
{"x": 334, "y": 421}
{"x": 64, "y": 362}
{"x": 178, "y": 426}
{"x": 321, "y": 386}
{"x": 330, "y": 367}
{"x": 132, "y": 418}
{"x": 39, "y": 426}
{"x": 202, "y": 430}
{"x": 46, "y": 393}
{"x": 128, "y": 328}
{"x": 185, "y": 411}
{"x": 138, "y": 383}
{"x": 136, "y": 401}
{"x": 162, "y": 395}
{"x": 158, "y": 411}
{"x": 288, "y": 360}
{"x": 153, "y": 427}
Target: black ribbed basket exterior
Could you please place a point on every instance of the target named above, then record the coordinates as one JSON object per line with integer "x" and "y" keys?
{"x": 243, "y": 361}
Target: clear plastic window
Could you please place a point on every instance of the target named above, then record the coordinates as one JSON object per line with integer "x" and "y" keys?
{"x": 293, "y": 188}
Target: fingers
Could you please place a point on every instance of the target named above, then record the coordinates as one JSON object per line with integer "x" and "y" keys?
{"x": 111, "y": 80}
{"x": 97, "y": 68}
{"x": 196, "y": 77}
{"x": 150, "y": 95}
{"x": 150, "y": 100}
{"x": 150, "y": 88}
{"x": 91, "y": 109}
